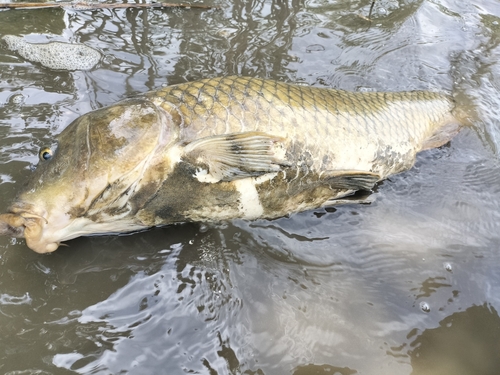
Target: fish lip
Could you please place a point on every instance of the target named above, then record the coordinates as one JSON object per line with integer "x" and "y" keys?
{"x": 7, "y": 229}
{"x": 24, "y": 220}
{"x": 28, "y": 211}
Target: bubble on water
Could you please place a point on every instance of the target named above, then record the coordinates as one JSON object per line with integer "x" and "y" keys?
{"x": 5, "y": 178}
{"x": 203, "y": 228}
{"x": 222, "y": 226}
{"x": 366, "y": 89}
{"x": 424, "y": 306}
{"x": 447, "y": 266}
{"x": 315, "y": 48}
{"x": 54, "y": 55}
{"x": 108, "y": 59}
{"x": 16, "y": 99}
{"x": 226, "y": 33}
{"x": 7, "y": 299}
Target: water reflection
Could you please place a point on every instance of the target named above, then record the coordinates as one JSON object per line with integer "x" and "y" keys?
{"x": 465, "y": 342}
{"x": 323, "y": 370}
{"x": 145, "y": 320}
{"x": 330, "y": 291}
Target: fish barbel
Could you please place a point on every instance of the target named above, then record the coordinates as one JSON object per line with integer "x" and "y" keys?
{"x": 219, "y": 149}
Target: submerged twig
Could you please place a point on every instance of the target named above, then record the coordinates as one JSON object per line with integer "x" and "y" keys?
{"x": 83, "y": 5}
{"x": 371, "y": 8}
{"x": 369, "y": 18}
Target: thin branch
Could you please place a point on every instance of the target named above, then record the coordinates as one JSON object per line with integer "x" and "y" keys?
{"x": 369, "y": 18}
{"x": 91, "y": 6}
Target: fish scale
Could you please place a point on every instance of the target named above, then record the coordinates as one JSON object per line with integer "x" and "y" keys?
{"x": 215, "y": 106}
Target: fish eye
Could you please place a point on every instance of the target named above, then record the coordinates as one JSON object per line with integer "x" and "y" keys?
{"x": 45, "y": 154}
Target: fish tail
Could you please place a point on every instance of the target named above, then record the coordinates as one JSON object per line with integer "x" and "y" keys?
{"x": 464, "y": 111}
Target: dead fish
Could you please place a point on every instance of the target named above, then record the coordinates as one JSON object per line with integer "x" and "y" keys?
{"x": 219, "y": 149}
{"x": 54, "y": 55}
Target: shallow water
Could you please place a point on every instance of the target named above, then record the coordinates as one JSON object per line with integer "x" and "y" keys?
{"x": 408, "y": 284}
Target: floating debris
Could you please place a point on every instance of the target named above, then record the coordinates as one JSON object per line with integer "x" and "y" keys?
{"x": 54, "y": 55}
{"x": 91, "y": 5}
{"x": 448, "y": 267}
{"x": 424, "y": 306}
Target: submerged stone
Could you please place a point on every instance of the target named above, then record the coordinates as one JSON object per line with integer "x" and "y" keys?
{"x": 54, "y": 55}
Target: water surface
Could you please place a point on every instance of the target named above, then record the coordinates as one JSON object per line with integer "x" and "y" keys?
{"x": 408, "y": 284}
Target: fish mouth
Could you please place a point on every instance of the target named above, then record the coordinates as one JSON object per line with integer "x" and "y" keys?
{"x": 24, "y": 221}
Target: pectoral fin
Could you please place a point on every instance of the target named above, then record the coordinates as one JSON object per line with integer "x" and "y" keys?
{"x": 352, "y": 180}
{"x": 237, "y": 155}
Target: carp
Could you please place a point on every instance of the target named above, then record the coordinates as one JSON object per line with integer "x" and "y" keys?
{"x": 219, "y": 149}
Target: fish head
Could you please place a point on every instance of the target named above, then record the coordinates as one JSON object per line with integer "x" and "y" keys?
{"x": 85, "y": 181}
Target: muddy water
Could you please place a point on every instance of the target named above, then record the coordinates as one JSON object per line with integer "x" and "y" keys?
{"x": 409, "y": 284}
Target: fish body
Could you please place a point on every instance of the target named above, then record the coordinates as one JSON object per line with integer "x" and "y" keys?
{"x": 219, "y": 149}
{"x": 54, "y": 55}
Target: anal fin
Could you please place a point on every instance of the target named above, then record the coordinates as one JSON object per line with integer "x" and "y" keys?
{"x": 443, "y": 135}
{"x": 352, "y": 198}
{"x": 351, "y": 179}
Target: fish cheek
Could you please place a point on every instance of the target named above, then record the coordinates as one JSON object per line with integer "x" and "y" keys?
{"x": 121, "y": 136}
{"x": 146, "y": 193}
